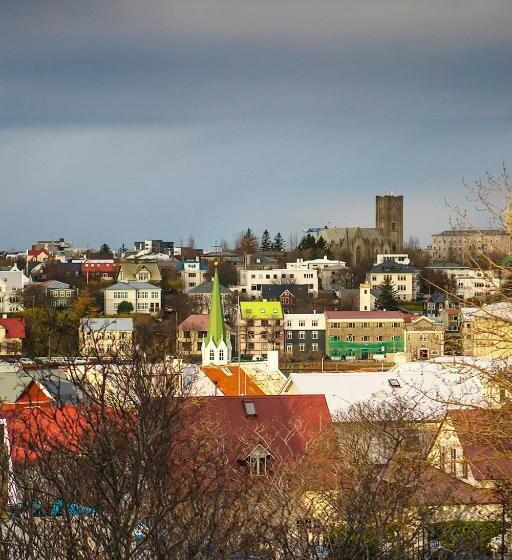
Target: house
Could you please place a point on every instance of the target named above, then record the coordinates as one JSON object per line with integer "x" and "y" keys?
{"x": 487, "y": 330}
{"x": 304, "y": 334}
{"x": 293, "y": 297}
{"x": 260, "y": 431}
{"x": 12, "y": 333}
{"x": 250, "y": 281}
{"x": 201, "y": 296}
{"x": 190, "y": 335}
{"x": 59, "y": 294}
{"x": 48, "y": 391}
{"x": 474, "y": 445}
{"x": 38, "y": 255}
{"x": 404, "y": 278}
{"x": 434, "y": 305}
{"x": 100, "y": 269}
{"x": 361, "y": 334}
{"x": 146, "y": 272}
{"x": 144, "y": 297}
{"x": 105, "y": 336}
{"x": 192, "y": 273}
{"x": 329, "y": 270}
{"x": 247, "y": 378}
{"x": 400, "y": 258}
{"x": 260, "y": 327}
{"x": 424, "y": 339}
{"x": 12, "y": 283}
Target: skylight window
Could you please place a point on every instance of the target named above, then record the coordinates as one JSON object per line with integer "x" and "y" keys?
{"x": 250, "y": 408}
{"x": 394, "y": 383}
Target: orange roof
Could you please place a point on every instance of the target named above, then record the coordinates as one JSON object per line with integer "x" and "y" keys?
{"x": 231, "y": 380}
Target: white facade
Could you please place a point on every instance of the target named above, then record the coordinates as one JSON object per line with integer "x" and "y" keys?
{"x": 12, "y": 284}
{"x": 401, "y": 258}
{"x": 144, "y": 297}
{"x": 304, "y": 321}
{"x": 251, "y": 281}
{"x": 192, "y": 274}
{"x": 314, "y": 264}
{"x": 404, "y": 283}
{"x": 366, "y": 297}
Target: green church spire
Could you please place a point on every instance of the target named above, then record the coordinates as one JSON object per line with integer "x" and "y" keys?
{"x": 216, "y": 327}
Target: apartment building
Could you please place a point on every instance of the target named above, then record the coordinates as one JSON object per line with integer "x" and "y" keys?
{"x": 461, "y": 245}
{"x": 251, "y": 281}
{"x": 260, "y": 327}
{"x": 154, "y": 246}
{"x": 105, "y": 336}
{"x": 192, "y": 273}
{"x": 304, "y": 334}
{"x": 59, "y": 293}
{"x": 404, "y": 278}
{"x": 329, "y": 270}
{"x": 12, "y": 284}
{"x": 144, "y": 297}
{"x": 361, "y": 334}
{"x": 470, "y": 283}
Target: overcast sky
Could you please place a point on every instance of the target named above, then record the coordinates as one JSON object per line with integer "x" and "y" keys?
{"x": 124, "y": 120}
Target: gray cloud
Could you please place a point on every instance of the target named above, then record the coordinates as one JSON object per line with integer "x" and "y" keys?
{"x": 278, "y": 114}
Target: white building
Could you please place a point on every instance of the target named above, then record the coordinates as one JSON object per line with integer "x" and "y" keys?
{"x": 470, "y": 282}
{"x": 251, "y": 281}
{"x": 191, "y": 273}
{"x": 401, "y": 258}
{"x": 12, "y": 283}
{"x": 144, "y": 297}
{"x": 404, "y": 278}
{"x": 314, "y": 264}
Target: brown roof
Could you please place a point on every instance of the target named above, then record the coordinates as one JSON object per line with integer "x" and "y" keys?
{"x": 486, "y": 439}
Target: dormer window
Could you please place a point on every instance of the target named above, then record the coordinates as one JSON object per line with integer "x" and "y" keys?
{"x": 258, "y": 461}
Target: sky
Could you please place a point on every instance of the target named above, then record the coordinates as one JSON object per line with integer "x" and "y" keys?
{"x": 123, "y": 120}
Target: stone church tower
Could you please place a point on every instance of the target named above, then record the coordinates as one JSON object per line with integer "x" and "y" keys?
{"x": 390, "y": 218}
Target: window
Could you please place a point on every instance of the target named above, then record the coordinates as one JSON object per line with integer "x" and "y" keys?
{"x": 453, "y": 461}
{"x": 250, "y": 408}
{"x": 464, "y": 469}
{"x": 258, "y": 461}
{"x": 314, "y": 347}
{"x": 289, "y": 335}
{"x": 302, "y": 323}
{"x": 289, "y": 323}
{"x": 302, "y": 347}
{"x": 302, "y": 335}
{"x": 350, "y": 338}
{"x": 314, "y": 322}
{"x": 221, "y": 354}
{"x": 212, "y": 355}
{"x": 314, "y": 335}
{"x": 394, "y": 383}
{"x": 289, "y": 348}
{"x": 365, "y": 338}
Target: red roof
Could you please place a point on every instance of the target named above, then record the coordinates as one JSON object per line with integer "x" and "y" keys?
{"x": 363, "y": 315}
{"x": 283, "y": 424}
{"x": 37, "y": 252}
{"x": 14, "y": 327}
{"x": 100, "y": 267}
{"x": 194, "y": 323}
{"x": 409, "y": 317}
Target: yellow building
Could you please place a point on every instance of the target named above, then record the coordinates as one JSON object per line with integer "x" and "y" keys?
{"x": 106, "y": 336}
{"x": 487, "y": 331}
{"x": 424, "y": 339}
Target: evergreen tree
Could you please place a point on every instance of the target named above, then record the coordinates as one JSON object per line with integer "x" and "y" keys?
{"x": 248, "y": 242}
{"x": 307, "y": 242}
{"x": 125, "y": 307}
{"x": 278, "y": 243}
{"x": 321, "y": 246}
{"x": 387, "y": 299}
{"x": 266, "y": 243}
